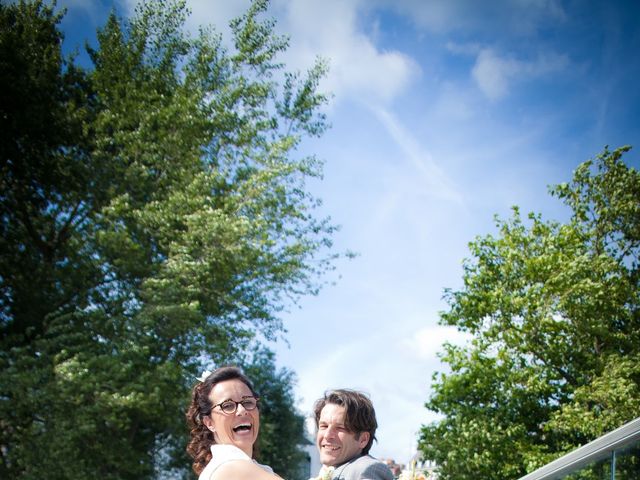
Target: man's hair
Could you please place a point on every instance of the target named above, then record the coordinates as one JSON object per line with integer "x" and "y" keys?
{"x": 359, "y": 413}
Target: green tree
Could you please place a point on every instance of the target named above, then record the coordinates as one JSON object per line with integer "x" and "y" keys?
{"x": 154, "y": 219}
{"x": 553, "y": 310}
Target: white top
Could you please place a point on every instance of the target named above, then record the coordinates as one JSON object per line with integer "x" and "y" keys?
{"x": 223, "y": 454}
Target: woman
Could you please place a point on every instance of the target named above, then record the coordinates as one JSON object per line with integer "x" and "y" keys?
{"x": 224, "y": 419}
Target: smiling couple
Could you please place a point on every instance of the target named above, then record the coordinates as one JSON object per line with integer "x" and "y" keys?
{"x": 224, "y": 419}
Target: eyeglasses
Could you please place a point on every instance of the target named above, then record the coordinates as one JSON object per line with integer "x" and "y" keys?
{"x": 230, "y": 406}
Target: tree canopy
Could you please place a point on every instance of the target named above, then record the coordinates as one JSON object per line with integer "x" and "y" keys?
{"x": 553, "y": 310}
{"x": 154, "y": 220}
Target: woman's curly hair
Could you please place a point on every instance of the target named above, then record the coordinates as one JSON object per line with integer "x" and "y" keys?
{"x": 199, "y": 447}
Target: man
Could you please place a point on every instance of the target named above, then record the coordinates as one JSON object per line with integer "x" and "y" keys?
{"x": 346, "y": 423}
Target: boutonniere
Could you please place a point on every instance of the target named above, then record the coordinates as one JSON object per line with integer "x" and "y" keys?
{"x": 324, "y": 473}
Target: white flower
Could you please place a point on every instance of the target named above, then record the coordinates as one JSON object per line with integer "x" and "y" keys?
{"x": 204, "y": 376}
{"x": 324, "y": 473}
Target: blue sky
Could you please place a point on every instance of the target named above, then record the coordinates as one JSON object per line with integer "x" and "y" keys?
{"x": 445, "y": 113}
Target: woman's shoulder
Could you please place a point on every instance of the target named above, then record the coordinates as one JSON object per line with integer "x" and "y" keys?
{"x": 228, "y": 462}
{"x": 227, "y": 452}
{"x": 241, "y": 470}
{"x": 220, "y": 455}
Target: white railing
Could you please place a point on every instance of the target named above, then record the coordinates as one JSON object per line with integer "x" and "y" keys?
{"x": 598, "y": 449}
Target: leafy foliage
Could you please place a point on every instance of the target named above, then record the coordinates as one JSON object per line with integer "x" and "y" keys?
{"x": 154, "y": 219}
{"x": 554, "y": 314}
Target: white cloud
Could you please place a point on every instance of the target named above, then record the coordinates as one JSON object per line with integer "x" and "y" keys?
{"x": 426, "y": 342}
{"x": 358, "y": 68}
{"x": 494, "y": 73}
{"x": 216, "y": 13}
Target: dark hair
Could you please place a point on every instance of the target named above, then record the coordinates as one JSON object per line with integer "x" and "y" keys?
{"x": 359, "y": 413}
{"x": 199, "y": 447}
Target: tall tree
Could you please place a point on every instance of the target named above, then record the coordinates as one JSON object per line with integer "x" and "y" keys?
{"x": 154, "y": 218}
{"x": 554, "y": 314}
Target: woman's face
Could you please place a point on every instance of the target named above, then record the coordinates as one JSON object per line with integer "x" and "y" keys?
{"x": 239, "y": 428}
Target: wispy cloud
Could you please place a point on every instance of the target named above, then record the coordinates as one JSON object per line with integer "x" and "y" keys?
{"x": 439, "y": 184}
{"x": 214, "y": 12}
{"x": 358, "y": 68}
{"x": 494, "y": 73}
{"x": 426, "y": 342}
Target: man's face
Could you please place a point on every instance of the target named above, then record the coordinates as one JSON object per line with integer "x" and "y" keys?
{"x": 336, "y": 444}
